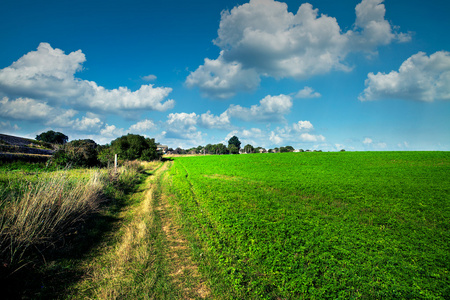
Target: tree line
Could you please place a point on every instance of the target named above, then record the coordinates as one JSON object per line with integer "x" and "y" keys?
{"x": 87, "y": 153}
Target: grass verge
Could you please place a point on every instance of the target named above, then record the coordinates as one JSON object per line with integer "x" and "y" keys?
{"x": 48, "y": 220}
{"x": 145, "y": 257}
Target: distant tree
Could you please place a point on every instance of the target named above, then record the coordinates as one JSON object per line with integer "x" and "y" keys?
{"x": 178, "y": 150}
{"x": 342, "y": 150}
{"x": 249, "y": 149}
{"x": 199, "y": 149}
{"x": 233, "y": 149}
{"x": 53, "y": 137}
{"x": 221, "y": 149}
{"x": 210, "y": 149}
{"x": 301, "y": 150}
{"x": 289, "y": 148}
{"x": 234, "y": 141}
{"x": 133, "y": 146}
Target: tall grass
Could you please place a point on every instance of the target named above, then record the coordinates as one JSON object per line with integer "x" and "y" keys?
{"x": 40, "y": 213}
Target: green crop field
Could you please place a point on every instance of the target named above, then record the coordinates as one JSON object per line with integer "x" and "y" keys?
{"x": 372, "y": 225}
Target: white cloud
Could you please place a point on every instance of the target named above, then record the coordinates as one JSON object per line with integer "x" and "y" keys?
{"x": 294, "y": 134}
{"x": 275, "y": 138}
{"x": 181, "y": 130}
{"x": 307, "y": 92}
{"x": 220, "y": 79}
{"x": 48, "y": 75}
{"x": 37, "y": 111}
{"x": 307, "y": 137}
{"x": 262, "y": 38}
{"x": 375, "y": 29}
{"x": 143, "y": 126}
{"x": 208, "y": 120}
{"x": 90, "y": 123}
{"x": 112, "y": 132}
{"x": 420, "y": 77}
{"x": 367, "y": 141}
{"x": 302, "y": 126}
{"x": 182, "y": 126}
{"x": 150, "y": 77}
{"x": 32, "y": 110}
{"x": 271, "y": 108}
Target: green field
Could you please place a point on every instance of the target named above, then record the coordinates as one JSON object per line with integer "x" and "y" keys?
{"x": 372, "y": 225}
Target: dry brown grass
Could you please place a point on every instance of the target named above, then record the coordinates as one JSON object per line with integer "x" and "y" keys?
{"x": 46, "y": 210}
{"x": 149, "y": 258}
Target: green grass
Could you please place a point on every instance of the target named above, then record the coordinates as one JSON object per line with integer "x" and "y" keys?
{"x": 319, "y": 225}
{"x": 50, "y": 219}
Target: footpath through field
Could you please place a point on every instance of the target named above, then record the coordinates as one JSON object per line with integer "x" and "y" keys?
{"x": 146, "y": 257}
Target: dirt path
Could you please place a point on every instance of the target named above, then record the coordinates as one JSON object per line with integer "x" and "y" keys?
{"x": 147, "y": 257}
{"x": 183, "y": 271}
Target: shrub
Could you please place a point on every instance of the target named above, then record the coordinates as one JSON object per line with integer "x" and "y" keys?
{"x": 79, "y": 153}
{"x": 133, "y": 146}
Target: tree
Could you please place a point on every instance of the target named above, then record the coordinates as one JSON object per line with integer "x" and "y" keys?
{"x": 233, "y": 149}
{"x": 234, "y": 141}
{"x": 287, "y": 149}
{"x": 134, "y": 146}
{"x": 249, "y": 149}
{"x": 221, "y": 149}
{"x": 52, "y": 137}
{"x": 78, "y": 153}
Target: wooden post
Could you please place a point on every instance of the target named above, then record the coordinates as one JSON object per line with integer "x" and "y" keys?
{"x": 115, "y": 163}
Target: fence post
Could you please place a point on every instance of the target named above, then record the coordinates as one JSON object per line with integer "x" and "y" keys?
{"x": 115, "y": 163}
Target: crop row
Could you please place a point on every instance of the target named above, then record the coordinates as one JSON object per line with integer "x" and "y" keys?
{"x": 317, "y": 225}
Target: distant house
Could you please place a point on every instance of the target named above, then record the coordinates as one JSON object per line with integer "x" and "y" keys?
{"x": 162, "y": 148}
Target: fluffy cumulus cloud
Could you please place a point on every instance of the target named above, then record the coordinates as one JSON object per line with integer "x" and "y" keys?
{"x": 143, "y": 126}
{"x": 271, "y": 108}
{"x": 48, "y": 75}
{"x": 420, "y": 77}
{"x": 302, "y": 126}
{"x": 181, "y": 125}
{"x": 27, "y": 109}
{"x": 262, "y": 38}
{"x": 219, "y": 79}
{"x": 296, "y": 133}
{"x": 374, "y": 30}
{"x": 209, "y": 120}
{"x": 111, "y": 132}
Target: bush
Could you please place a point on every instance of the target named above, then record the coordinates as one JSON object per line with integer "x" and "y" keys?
{"x": 79, "y": 153}
{"x": 133, "y": 146}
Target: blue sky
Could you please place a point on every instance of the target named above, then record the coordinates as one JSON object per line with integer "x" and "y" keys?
{"x": 321, "y": 74}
